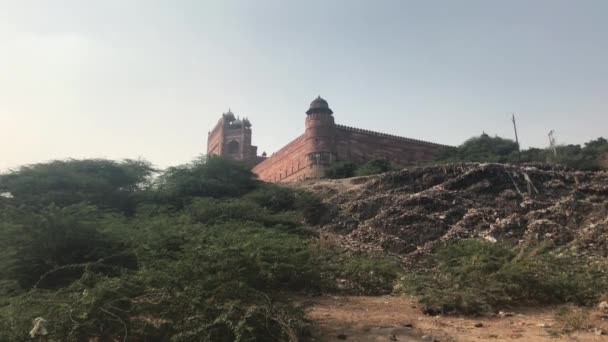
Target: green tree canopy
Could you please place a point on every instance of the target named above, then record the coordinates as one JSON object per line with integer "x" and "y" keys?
{"x": 481, "y": 149}
{"x": 484, "y": 148}
{"x": 204, "y": 177}
{"x": 101, "y": 182}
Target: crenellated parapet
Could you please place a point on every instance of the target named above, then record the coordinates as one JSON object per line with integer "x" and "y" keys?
{"x": 386, "y": 135}
{"x": 321, "y": 145}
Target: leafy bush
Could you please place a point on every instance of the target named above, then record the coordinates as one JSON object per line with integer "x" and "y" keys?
{"x": 481, "y": 149}
{"x": 358, "y": 274}
{"x": 56, "y": 239}
{"x": 205, "y": 177}
{"x": 273, "y": 197}
{"x": 570, "y": 318}
{"x": 207, "y": 253}
{"x": 475, "y": 276}
{"x": 350, "y": 169}
{"x": 341, "y": 170}
{"x": 374, "y": 167}
{"x": 104, "y": 183}
{"x": 496, "y": 149}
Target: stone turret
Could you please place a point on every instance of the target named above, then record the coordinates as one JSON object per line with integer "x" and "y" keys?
{"x": 319, "y": 137}
{"x": 231, "y": 138}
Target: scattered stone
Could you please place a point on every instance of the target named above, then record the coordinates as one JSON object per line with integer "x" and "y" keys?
{"x": 478, "y": 325}
{"x": 341, "y": 337}
{"x": 39, "y": 328}
{"x": 503, "y": 314}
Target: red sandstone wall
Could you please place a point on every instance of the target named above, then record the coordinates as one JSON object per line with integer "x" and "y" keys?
{"x": 287, "y": 164}
{"x": 363, "y": 145}
{"x": 214, "y": 140}
{"x": 351, "y": 144}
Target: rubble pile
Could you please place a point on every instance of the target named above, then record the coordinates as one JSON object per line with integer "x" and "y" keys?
{"x": 407, "y": 212}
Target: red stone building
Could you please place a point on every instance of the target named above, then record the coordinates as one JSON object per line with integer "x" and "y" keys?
{"x": 322, "y": 143}
{"x": 231, "y": 138}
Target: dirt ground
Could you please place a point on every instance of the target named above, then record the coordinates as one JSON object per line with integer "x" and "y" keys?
{"x": 396, "y": 318}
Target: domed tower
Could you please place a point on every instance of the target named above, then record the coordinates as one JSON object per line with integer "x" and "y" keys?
{"x": 320, "y": 137}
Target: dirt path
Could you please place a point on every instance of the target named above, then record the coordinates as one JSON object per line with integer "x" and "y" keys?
{"x": 390, "y": 318}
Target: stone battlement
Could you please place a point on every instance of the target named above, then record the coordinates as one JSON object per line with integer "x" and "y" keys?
{"x": 323, "y": 143}
{"x": 386, "y": 135}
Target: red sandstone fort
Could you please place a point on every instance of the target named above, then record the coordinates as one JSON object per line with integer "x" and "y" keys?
{"x": 323, "y": 142}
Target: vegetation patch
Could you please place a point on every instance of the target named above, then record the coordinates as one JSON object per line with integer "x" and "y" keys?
{"x": 484, "y": 148}
{"x": 202, "y": 252}
{"x": 476, "y": 276}
{"x": 352, "y": 169}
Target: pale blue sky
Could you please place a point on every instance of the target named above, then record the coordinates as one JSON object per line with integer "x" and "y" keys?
{"x": 128, "y": 79}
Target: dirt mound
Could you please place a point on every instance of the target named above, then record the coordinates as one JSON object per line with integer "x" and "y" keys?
{"x": 406, "y": 212}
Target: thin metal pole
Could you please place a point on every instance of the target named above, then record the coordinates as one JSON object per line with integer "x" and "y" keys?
{"x": 516, "y": 137}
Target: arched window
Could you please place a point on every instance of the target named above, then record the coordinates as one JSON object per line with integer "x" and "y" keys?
{"x": 233, "y": 147}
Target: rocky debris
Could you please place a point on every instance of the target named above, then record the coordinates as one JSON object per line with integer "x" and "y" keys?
{"x": 39, "y": 328}
{"x": 406, "y": 213}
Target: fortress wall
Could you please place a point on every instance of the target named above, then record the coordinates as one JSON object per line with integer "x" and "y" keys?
{"x": 362, "y": 145}
{"x": 214, "y": 140}
{"x": 287, "y": 164}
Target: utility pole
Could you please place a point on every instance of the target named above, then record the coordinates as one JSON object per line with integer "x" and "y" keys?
{"x": 552, "y": 144}
{"x": 516, "y": 138}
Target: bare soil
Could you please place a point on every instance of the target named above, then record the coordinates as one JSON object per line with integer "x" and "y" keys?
{"x": 397, "y": 318}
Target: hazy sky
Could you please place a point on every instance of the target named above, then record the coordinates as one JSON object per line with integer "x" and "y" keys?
{"x": 129, "y": 79}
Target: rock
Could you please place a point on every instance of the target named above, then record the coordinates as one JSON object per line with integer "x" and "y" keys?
{"x": 603, "y": 306}
{"x": 503, "y": 314}
{"x": 341, "y": 337}
{"x": 408, "y": 325}
{"x": 393, "y": 338}
{"x": 478, "y": 325}
{"x": 598, "y": 331}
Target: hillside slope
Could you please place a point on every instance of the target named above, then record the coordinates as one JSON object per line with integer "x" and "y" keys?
{"x": 407, "y": 212}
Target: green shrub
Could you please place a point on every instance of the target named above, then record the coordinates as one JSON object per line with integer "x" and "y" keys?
{"x": 570, "y": 318}
{"x": 103, "y": 183}
{"x": 206, "y": 254}
{"x": 33, "y": 243}
{"x": 355, "y": 273}
{"x": 205, "y": 177}
{"x": 341, "y": 170}
{"x": 374, "y": 167}
{"x": 496, "y": 149}
{"x": 351, "y": 169}
{"x": 273, "y": 197}
{"x": 475, "y": 276}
